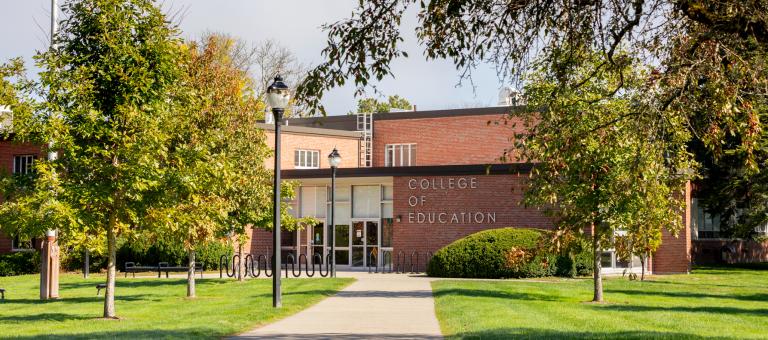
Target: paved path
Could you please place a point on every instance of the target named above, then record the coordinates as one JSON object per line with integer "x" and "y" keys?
{"x": 376, "y": 306}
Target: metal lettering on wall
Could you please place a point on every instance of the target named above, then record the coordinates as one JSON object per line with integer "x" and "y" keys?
{"x": 416, "y": 202}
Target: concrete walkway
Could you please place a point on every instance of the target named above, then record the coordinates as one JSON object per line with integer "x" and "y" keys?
{"x": 376, "y": 306}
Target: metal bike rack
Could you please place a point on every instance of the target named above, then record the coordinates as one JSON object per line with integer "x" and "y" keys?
{"x": 384, "y": 258}
{"x": 306, "y": 265}
{"x": 414, "y": 253}
{"x": 371, "y": 256}
{"x": 320, "y": 265}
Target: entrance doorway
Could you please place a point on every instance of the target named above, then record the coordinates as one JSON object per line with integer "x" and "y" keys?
{"x": 365, "y": 243}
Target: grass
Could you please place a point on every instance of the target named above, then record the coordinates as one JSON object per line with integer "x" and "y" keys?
{"x": 151, "y": 307}
{"x": 710, "y": 302}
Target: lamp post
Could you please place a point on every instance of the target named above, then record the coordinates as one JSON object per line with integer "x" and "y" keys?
{"x": 278, "y": 95}
{"x": 334, "y": 159}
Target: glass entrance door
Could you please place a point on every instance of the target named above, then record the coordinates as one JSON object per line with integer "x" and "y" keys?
{"x": 317, "y": 241}
{"x": 341, "y": 244}
{"x": 365, "y": 240}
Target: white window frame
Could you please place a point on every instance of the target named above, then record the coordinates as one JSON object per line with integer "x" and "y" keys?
{"x": 308, "y": 159}
{"x": 28, "y": 165}
{"x": 394, "y": 155}
{"x": 26, "y": 247}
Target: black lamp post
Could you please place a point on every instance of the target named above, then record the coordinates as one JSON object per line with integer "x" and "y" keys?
{"x": 334, "y": 159}
{"x": 278, "y": 95}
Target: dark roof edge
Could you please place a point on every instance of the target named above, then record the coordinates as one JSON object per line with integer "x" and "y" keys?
{"x": 429, "y": 170}
{"x": 480, "y": 111}
{"x": 312, "y": 130}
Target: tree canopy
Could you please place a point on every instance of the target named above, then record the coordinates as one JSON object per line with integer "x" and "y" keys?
{"x": 372, "y": 105}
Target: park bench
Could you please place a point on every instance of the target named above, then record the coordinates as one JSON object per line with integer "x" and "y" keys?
{"x": 131, "y": 267}
{"x": 99, "y": 287}
{"x": 2, "y": 294}
{"x": 164, "y": 267}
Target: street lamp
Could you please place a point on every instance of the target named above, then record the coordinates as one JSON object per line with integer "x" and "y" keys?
{"x": 278, "y": 95}
{"x": 334, "y": 159}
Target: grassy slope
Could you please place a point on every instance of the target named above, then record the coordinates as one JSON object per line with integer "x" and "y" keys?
{"x": 718, "y": 303}
{"x": 151, "y": 307}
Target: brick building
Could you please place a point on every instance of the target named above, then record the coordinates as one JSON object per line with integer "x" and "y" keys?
{"x": 416, "y": 181}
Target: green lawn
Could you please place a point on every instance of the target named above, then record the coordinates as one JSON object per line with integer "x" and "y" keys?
{"x": 151, "y": 307}
{"x": 714, "y": 302}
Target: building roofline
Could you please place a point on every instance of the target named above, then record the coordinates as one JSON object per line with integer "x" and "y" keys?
{"x": 429, "y": 170}
{"x": 312, "y": 130}
{"x": 426, "y": 114}
{"x": 477, "y": 111}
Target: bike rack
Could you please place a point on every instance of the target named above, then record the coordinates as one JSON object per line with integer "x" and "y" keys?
{"x": 371, "y": 255}
{"x": 306, "y": 265}
{"x": 320, "y": 265}
{"x": 267, "y": 268}
{"x": 384, "y": 266}
{"x": 416, "y": 253}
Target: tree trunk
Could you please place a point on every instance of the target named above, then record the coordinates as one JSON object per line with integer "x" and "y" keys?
{"x": 87, "y": 264}
{"x": 643, "y": 258}
{"x": 109, "y": 295}
{"x": 191, "y": 275}
{"x": 597, "y": 275}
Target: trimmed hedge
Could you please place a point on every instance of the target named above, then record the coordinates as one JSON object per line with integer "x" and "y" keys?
{"x": 496, "y": 253}
{"x": 208, "y": 254}
{"x": 19, "y": 263}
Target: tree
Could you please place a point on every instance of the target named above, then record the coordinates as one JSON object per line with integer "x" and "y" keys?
{"x": 600, "y": 173}
{"x": 106, "y": 90}
{"x": 371, "y": 105}
{"x": 709, "y": 54}
{"x": 262, "y": 61}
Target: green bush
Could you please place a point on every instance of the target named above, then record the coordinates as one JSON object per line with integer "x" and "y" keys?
{"x": 19, "y": 263}
{"x": 208, "y": 254}
{"x": 496, "y": 253}
{"x": 576, "y": 259}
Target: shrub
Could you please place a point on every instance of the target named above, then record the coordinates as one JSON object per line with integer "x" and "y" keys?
{"x": 19, "y": 263}
{"x": 496, "y": 253}
{"x": 207, "y": 254}
{"x": 576, "y": 259}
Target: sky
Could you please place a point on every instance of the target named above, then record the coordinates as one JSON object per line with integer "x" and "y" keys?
{"x": 296, "y": 24}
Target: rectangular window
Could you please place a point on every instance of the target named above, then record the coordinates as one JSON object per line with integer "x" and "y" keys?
{"x": 17, "y": 243}
{"x": 23, "y": 164}
{"x": 704, "y": 225}
{"x": 400, "y": 155}
{"x": 306, "y": 159}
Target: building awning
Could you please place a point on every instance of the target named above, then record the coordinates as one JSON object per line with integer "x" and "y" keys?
{"x": 429, "y": 170}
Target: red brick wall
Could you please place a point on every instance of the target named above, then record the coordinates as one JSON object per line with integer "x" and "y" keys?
{"x": 499, "y": 194}
{"x": 7, "y": 151}
{"x": 674, "y": 254}
{"x": 348, "y": 148}
{"x": 5, "y": 243}
{"x": 710, "y": 251}
{"x": 446, "y": 140}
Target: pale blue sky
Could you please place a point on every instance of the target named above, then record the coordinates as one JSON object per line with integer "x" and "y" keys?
{"x": 24, "y": 26}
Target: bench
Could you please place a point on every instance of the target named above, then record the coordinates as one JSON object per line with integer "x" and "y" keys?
{"x": 131, "y": 267}
{"x": 164, "y": 267}
{"x": 99, "y": 287}
{"x": 2, "y": 294}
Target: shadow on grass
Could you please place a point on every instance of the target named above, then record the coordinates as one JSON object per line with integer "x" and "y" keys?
{"x": 495, "y": 294}
{"x": 130, "y": 334}
{"x": 762, "y": 297}
{"x": 44, "y": 317}
{"x": 81, "y": 299}
{"x": 535, "y": 333}
{"x": 700, "y": 309}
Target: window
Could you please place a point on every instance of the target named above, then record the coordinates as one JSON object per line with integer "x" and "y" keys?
{"x": 18, "y": 243}
{"x": 703, "y": 225}
{"x": 23, "y": 164}
{"x": 400, "y": 155}
{"x": 306, "y": 159}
